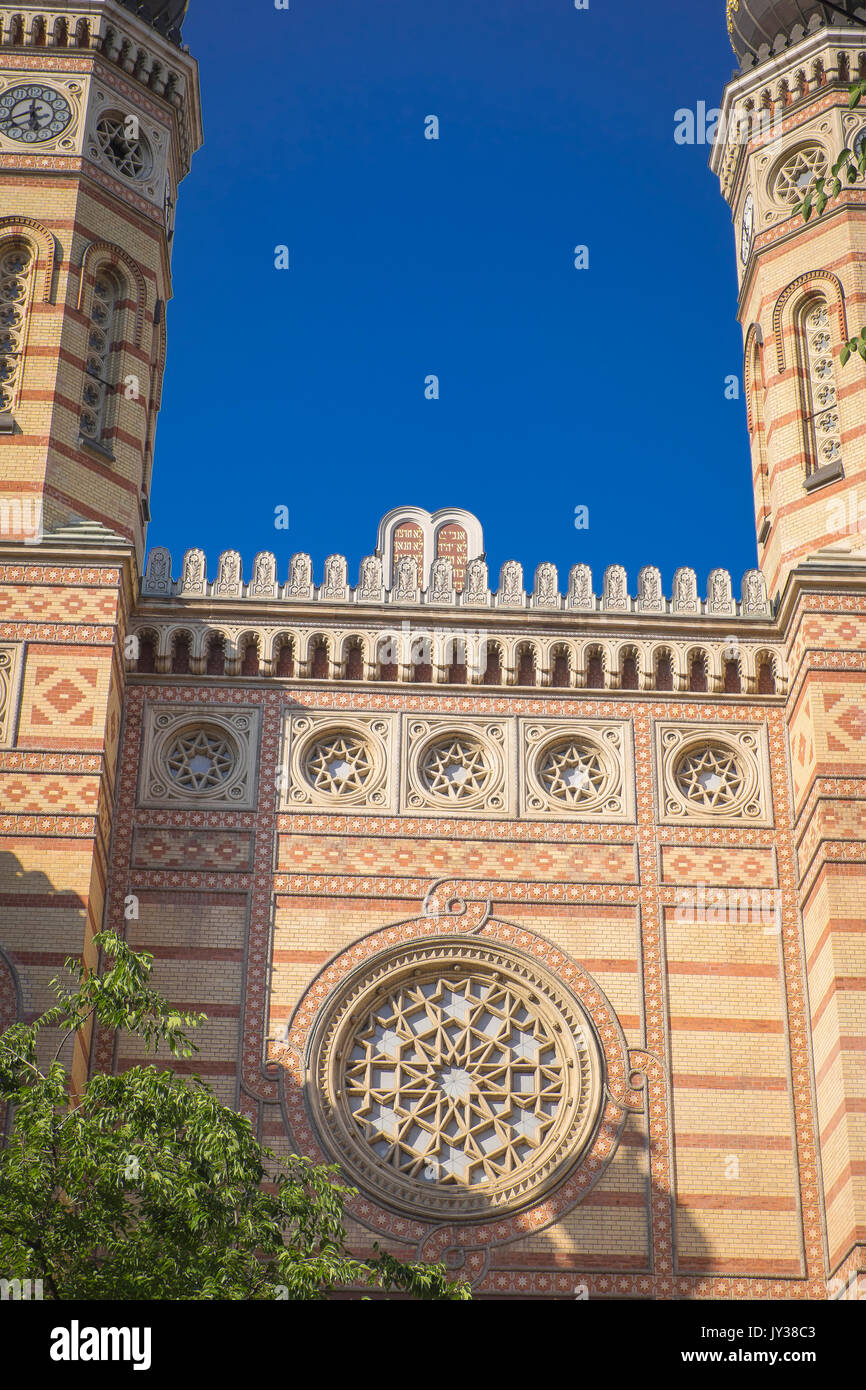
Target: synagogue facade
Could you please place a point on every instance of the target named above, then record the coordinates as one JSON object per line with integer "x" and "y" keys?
{"x": 536, "y": 902}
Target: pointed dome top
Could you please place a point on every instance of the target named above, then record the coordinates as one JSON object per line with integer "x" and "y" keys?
{"x": 752, "y": 24}
{"x": 166, "y": 16}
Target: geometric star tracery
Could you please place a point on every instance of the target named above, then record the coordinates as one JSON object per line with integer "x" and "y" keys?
{"x": 455, "y": 768}
{"x": 571, "y": 772}
{"x": 710, "y": 776}
{"x": 454, "y": 1081}
{"x": 339, "y": 764}
{"x": 798, "y": 172}
{"x": 200, "y": 759}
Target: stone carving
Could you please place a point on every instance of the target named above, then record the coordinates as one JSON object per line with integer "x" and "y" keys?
{"x": 546, "y": 591}
{"x": 649, "y": 590}
{"x": 194, "y": 578}
{"x": 370, "y": 586}
{"x": 228, "y": 581}
{"x": 511, "y": 585}
{"x": 441, "y": 588}
{"x": 755, "y": 594}
{"x": 580, "y": 593}
{"x": 685, "y": 592}
{"x": 157, "y": 576}
{"x": 719, "y": 598}
{"x": 300, "y": 583}
{"x": 476, "y": 589}
{"x": 405, "y": 587}
{"x": 264, "y": 581}
{"x": 615, "y": 589}
{"x": 335, "y": 583}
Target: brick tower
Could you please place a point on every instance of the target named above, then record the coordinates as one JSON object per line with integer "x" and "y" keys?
{"x": 99, "y": 119}
{"x": 802, "y": 295}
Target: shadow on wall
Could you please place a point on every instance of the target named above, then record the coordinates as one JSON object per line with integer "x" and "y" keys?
{"x": 602, "y": 1247}
{"x": 41, "y": 925}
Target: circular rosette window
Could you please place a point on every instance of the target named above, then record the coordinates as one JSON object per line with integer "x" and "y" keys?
{"x": 455, "y": 1080}
{"x": 576, "y": 772}
{"x": 200, "y": 760}
{"x": 712, "y": 777}
{"x": 459, "y": 769}
{"x": 339, "y": 764}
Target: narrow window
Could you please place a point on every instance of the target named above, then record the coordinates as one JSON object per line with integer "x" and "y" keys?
{"x": 216, "y": 656}
{"x": 16, "y": 277}
{"x": 319, "y": 666}
{"x": 698, "y": 675}
{"x": 250, "y": 663}
{"x": 766, "y": 679}
{"x": 628, "y": 677}
{"x": 732, "y": 678}
{"x": 286, "y": 660}
{"x": 99, "y": 366}
{"x": 595, "y": 672}
{"x": 355, "y": 663}
{"x": 493, "y": 670}
{"x": 180, "y": 656}
{"x": 559, "y": 676}
{"x": 664, "y": 672}
{"x": 824, "y": 442}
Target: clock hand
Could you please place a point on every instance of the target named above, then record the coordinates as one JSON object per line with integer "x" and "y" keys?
{"x": 34, "y": 117}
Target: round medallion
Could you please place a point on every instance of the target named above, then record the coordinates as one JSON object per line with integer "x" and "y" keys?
{"x": 122, "y": 145}
{"x": 455, "y": 1079}
{"x": 455, "y": 768}
{"x": 33, "y": 113}
{"x": 200, "y": 760}
{"x": 710, "y": 776}
{"x": 338, "y": 764}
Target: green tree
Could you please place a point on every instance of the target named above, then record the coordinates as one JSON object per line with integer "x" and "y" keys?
{"x": 848, "y": 167}
{"x": 145, "y": 1187}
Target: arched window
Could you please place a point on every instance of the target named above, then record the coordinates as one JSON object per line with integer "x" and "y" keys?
{"x": 146, "y": 653}
{"x": 16, "y": 279}
{"x": 493, "y": 668}
{"x": 526, "y": 666}
{"x": 698, "y": 674}
{"x": 61, "y": 33}
{"x": 560, "y": 675}
{"x": 664, "y": 671}
{"x": 733, "y": 683}
{"x": 250, "y": 662}
{"x": 286, "y": 659}
{"x": 16, "y": 32}
{"x": 216, "y": 655}
{"x": 100, "y": 364}
{"x": 766, "y": 677}
{"x": 319, "y": 664}
{"x": 180, "y": 657}
{"x": 628, "y": 679}
{"x": 355, "y": 661}
{"x": 82, "y": 34}
{"x": 818, "y": 374}
{"x": 595, "y": 671}
{"x": 37, "y": 33}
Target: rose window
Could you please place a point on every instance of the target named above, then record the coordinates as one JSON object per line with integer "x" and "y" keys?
{"x": 122, "y": 146}
{"x": 200, "y": 759}
{"x": 455, "y": 769}
{"x": 710, "y": 777}
{"x": 797, "y": 173}
{"x": 456, "y": 1083}
{"x": 571, "y": 772}
{"x": 339, "y": 764}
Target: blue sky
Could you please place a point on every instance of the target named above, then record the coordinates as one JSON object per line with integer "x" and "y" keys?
{"x": 602, "y": 387}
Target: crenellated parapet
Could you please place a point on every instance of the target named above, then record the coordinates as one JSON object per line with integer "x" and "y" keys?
{"x": 439, "y": 589}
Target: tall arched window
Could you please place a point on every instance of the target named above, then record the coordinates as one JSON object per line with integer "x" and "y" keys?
{"x": 100, "y": 365}
{"x": 16, "y": 279}
{"x": 821, "y": 411}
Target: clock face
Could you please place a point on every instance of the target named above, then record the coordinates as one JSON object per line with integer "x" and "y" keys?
{"x": 33, "y": 113}
{"x": 747, "y": 232}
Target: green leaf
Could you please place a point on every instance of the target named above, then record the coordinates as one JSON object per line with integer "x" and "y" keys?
{"x": 845, "y": 354}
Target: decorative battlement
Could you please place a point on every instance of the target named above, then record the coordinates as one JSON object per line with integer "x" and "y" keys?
{"x": 441, "y": 589}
